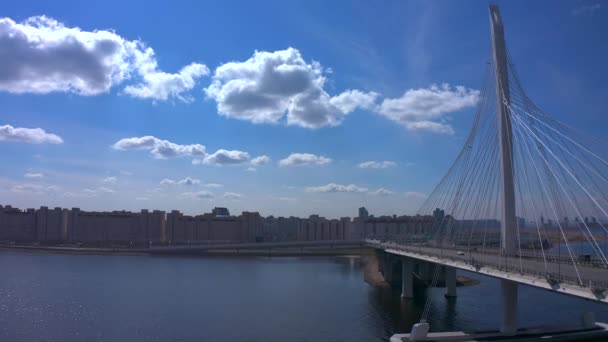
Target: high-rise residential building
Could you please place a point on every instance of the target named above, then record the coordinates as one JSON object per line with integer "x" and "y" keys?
{"x": 220, "y": 211}
{"x": 363, "y": 213}
{"x": 151, "y": 228}
{"x": 438, "y": 215}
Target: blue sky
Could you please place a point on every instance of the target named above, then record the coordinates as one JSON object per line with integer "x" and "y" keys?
{"x": 347, "y": 103}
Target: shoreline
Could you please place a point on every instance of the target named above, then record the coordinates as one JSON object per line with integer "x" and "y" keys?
{"x": 160, "y": 252}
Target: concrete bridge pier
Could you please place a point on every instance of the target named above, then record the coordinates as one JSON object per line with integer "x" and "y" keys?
{"x": 407, "y": 278}
{"x": 387, "y": 268}
{"x": 450, "y": 282}
{"x": 426, "y": 271}
{"x": 509, "y": 306}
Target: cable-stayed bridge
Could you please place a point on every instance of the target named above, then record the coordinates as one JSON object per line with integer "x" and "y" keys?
{"x": 526, "y": 201}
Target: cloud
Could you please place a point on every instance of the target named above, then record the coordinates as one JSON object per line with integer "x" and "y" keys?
{"x": 27, "y": 135}
{"x": 251, "y": 169}
{"x": 199, "y": 194}
{"x": 34, "y": 175}
{"x": 271, "y": 86}
{"x": 109, "y": 180}
{"x": 586, "y": 9}
{"x": 188, "y": 181}
{"x": 298, "y": 159}
{"x": 261, "y": 160}
{"x": 167, "y": 181}
{"x": 224, "y": 157}
{"x": 350, "y": 100}
{"x": 159, "y": 85}
{"x": 160, "y": 149}
{"x": 232, "y": 195}
{"x": 88, "y": 192}
{"x": 34, "y": 188}
{"x": 382, "y": 192}
{"x": 213, "y": 185}
{"x": 419, "y": 109}
{"x": 126, "y": 173}
{"x": 41, "y": 55}
{"x": 429, "y": 126}
{"x": 333, "y": 187}
{"x": 376, "y": 164}
{"x": 141, "y": 198}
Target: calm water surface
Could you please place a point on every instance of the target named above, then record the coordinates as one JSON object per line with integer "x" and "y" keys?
{"x": 62, "y": 297}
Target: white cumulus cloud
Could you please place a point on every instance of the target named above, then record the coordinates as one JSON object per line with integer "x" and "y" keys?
{"x": 333, "y": 187}
{"x": 42, "y": 55}
{"x": 160, "y": 85}
{"x": 224, "y": 157}
{"x": 27, "y": 135}
{"x": 376, "y": 164}
{"x": 350, "y": 100}
{"x": 422, "y": 109}
{"x": 261, "y": 160}
{"x": 271, "y": 86}
{"x": 298, "y": 159}
{"x": 160, "y": 149}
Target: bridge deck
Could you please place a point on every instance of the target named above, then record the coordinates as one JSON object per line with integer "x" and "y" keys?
{"x": 556, "y": 276}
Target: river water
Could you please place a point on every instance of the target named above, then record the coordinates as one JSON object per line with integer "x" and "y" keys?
{"x": 68, "y": 298}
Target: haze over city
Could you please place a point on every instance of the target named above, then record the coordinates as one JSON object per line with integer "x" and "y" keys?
{"x": 307, "y": 112}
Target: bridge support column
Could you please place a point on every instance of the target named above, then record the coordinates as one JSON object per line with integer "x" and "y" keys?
{"x": 509, "y": 306}
{"x": 387, "y": 269}
{"x": 450, "y": 282}
{"x": 407, "y": 278}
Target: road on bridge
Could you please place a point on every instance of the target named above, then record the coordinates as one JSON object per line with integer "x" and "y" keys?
{"x": 593, "y": 277}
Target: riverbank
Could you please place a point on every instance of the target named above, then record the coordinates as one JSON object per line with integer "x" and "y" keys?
{"x": 223, "y": 252}
{"x": 75, "y": 250}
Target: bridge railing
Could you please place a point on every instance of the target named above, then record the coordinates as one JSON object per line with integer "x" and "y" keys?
{"x": 511, "y": 266}
{"x": 551, "y": 257}
{"x": 582, "y": 258}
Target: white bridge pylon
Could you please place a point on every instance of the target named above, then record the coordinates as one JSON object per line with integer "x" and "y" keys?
{"x": 526, "y": 199}
{"x": 505, "y": 138}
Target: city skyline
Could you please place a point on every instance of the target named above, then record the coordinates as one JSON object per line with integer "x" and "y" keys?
{"x": 165, "y": 129}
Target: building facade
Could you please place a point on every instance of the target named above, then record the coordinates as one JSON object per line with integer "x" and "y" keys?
{"x": 75, "y": 226}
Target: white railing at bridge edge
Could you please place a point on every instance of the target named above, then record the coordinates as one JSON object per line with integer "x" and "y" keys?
{"x": 552, "y": 278}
